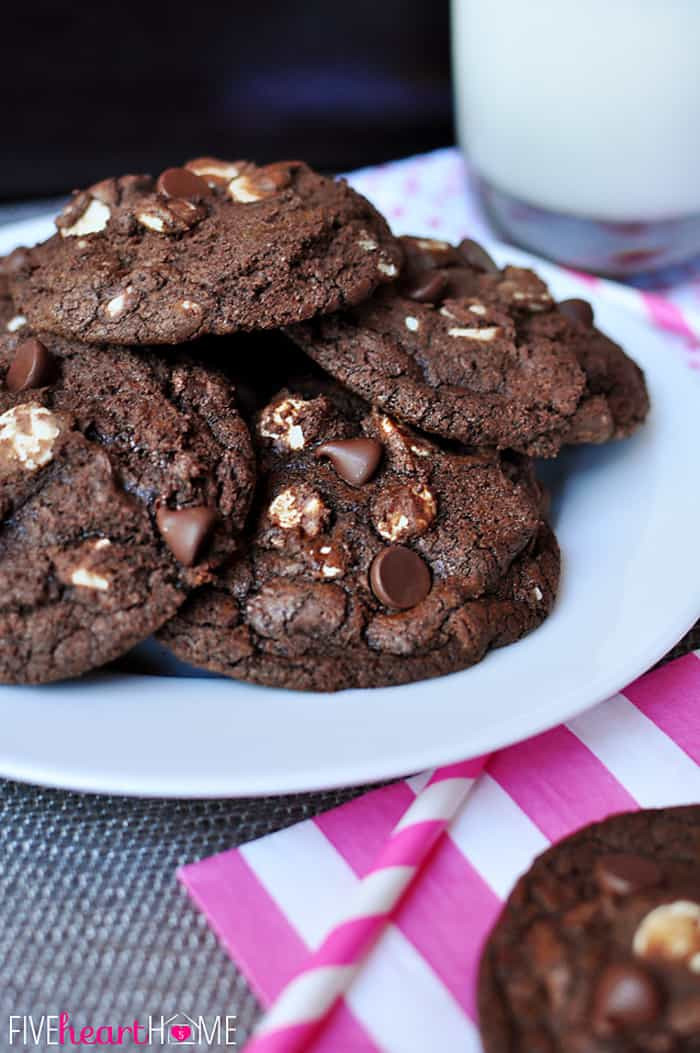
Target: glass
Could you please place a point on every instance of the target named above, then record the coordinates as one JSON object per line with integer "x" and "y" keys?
{"x": 581, "y": 119}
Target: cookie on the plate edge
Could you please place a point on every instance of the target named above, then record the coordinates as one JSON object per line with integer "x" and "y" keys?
{"x": 373, "y": 556}
{"x": 213, "y": 247}
{"x": 125, "y": 479}
{"x": 598, "y": 947}
{"x": 465, "y": 350}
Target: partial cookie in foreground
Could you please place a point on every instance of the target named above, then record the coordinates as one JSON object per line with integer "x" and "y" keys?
{"x": 213, "y": 247}
{"x": 125, "y": 478}
{"x": 465, "y": 350}
{"x": 598, "y": 947}
{"x": 374, "y": 556}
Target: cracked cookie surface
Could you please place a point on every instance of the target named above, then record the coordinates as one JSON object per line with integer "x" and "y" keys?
{"x": 213, "y": 247}
{"x": 467, "y": 351}
{"x": 374, "y": 556}
{"x": 598, "y": 947}
{"x": 125, "y": 479}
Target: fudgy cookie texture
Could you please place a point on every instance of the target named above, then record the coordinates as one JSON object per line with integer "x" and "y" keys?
{"x": 125, "y": 478}
{"x": 465, "y": 350}
{"x": 598, "y": 947}
{"x": 374, "y": 556}
{"x": 213, "y": 247}
{"x": 10, "y": 320}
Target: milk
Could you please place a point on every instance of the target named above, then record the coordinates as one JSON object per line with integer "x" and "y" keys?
{"x": 584, "y": 107}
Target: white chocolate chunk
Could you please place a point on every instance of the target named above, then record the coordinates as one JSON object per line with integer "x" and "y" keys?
{"x": 209, "y": 166}
{"x": 16, "y": 323}
{"x": 432, "y": 243}
{"x": 89, "y": 580}
{"x": 298, "y": 507}
{"x": 116, "y": 306}
{"x": 411, "y": 520}
{"x": 390, "y": 269}
{"x": 151, "y": 221}
{"x": 411, "y": 323}
{"x": 93, "y": 219}
{"x": 281, "y": 423}
{"x": 244, "y": 190}
{"x": 329, "y": 571}
{"x": 486, "y": 335}
{"x": 28, "y": 435}
{"x": 670, "y": 932}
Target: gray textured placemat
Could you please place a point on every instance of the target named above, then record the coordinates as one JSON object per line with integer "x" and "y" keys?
{"x": 92, "y": 919}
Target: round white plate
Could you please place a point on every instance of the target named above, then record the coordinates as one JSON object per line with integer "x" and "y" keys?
{"x": 627, "y": 519}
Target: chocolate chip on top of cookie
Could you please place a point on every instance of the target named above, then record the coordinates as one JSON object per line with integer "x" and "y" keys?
{"x": 210, "y": 247}
{"x": 598, "y": 948}
{"x": 374, "y": 556}
{"x": 125, "y": 479}
{"x": 471, "y": 352}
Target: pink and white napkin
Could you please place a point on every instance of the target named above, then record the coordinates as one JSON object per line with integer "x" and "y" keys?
{"x": 274, "y": 900}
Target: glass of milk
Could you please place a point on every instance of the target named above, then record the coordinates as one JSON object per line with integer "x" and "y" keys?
{"x": 581, "y": 119}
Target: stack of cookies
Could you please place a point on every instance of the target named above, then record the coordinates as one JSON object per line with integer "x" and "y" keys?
{"x": 237, "y": 412}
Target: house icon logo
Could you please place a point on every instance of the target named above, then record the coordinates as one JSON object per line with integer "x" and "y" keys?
{"x": 182, "y": 1030}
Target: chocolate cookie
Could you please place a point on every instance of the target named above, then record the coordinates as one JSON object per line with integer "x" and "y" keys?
{"x": 482, "y": 355}
{"x": 125, "y": 478}
{"x": 616, "y": 401}
{"x": 374, "y": 556}
{"x": 598, "y": 947}
{"x": 10, "y": 320}
{"x": 213, "y": 247}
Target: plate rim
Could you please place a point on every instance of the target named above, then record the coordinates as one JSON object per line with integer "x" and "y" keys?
{"x": 602, "y": 686}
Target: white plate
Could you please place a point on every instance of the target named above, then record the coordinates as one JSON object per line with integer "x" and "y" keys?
{"x": 627, "y": 519}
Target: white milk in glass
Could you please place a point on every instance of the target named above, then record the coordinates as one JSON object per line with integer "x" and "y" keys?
{"x": 582, "y": 120}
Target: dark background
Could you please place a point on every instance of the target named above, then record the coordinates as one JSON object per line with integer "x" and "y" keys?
{"x": 92, "y": 89}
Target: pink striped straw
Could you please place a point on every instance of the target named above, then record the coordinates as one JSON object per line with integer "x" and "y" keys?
{"x": 303, "y": 1006}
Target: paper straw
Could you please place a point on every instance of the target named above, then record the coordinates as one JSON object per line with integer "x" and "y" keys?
{"x": 301, "y": 1009}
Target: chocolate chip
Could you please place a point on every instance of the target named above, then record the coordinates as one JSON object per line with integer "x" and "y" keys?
{"x": 214, "y": 171}
{"x": 186, "y": 531}
{"x": 626, "y": 997}
{"x": 355, "y": 460}
{"x": 425, "y": 287}
{"x": 460, "y": 282}
{"x": 179, "y": 182}
{"x": 399, "y": 577}
{"x": 577, "y": 310}
{"x": 620, "y": 874}
{"x": 476, "y": 256}
{"x": 428, "y": 254}
{"x": 33, "y": 366}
